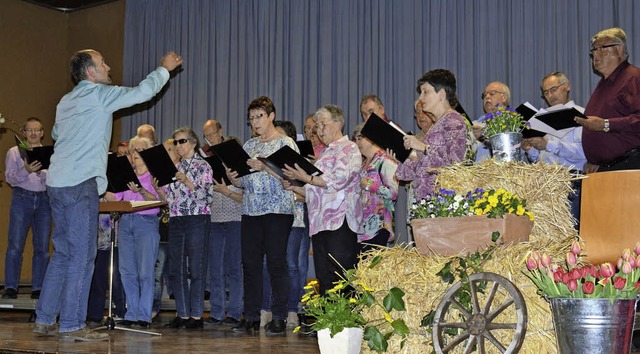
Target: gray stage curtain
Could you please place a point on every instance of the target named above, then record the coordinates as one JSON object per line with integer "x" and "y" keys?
{"x": 305, "y": 53}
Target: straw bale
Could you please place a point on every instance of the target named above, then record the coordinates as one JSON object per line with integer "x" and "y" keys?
{"x": 545, "y": 187}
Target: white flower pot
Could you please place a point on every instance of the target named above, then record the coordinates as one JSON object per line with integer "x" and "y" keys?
{"x": 348, "y": 341}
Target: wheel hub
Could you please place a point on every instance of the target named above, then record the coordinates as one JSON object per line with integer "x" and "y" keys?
{"x": 476, "y": 324}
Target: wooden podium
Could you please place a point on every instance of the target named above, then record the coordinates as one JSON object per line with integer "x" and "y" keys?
{"x": 609, "y": 220}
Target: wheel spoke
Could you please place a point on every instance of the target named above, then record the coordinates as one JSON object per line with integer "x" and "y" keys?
{"x": 496, "y": 326}
{"x": 492, "y": 294}
{"x": 461, "y": 338}
{"x": 500, "y": 308}
{"x": 481, "y": 348}
{"x": 474, "y": 296}
{"x": 494, "y": 341}
{"x": 461, "y": 308}
{"x": 453, "y": 325}
{"x": 470, "y": 343}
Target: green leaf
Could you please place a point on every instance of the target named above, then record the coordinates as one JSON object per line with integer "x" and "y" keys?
{"x": 375, "y": 339}
{"x": 393, "y": 300}
{"x": 368, "y": 299}
{"x": 399, "y": 327}
{"x": 427, "y": 320}
{"x": 495, "y": 236}
{"x": 375, "y": 261}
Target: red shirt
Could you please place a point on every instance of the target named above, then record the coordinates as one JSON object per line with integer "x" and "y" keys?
{"x": 616, "y": 98}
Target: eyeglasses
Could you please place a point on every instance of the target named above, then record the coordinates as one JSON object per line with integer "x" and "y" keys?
{"x": 211, "y": 134}
{"x": 256, "y": 117}
{"x": 603, "y": 47}
{"x": 321, "y": 125}
{"x": 180, "y": 141}
{"x": 29, "y": 131}
{"x": 491, "y": 93}
{"x": 551, "y": 90}
{"x": 358, "y": 137}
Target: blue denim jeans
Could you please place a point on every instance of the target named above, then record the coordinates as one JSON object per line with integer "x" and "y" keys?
{"x": 294, "y": 249}
{"x": 225, "y": 269}
{"x": 138, "y": 240}
{"x": 28, "y": 209}
{"x": 159, "y": 269}
{"x": 188, "y": 242}
{"x": 65, "y": 290}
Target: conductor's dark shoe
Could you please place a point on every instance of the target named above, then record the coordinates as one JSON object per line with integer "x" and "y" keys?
{"x": 275, "y": 327}
{"x": 247, "y": 326}
{"x": 142, "y": 325}
{"x": 45, "y": 330}
{"x": 35, "y": 294}
{"x": 230, "y": 321}
{"x": 192, "y": 323}
{"x": 212, "y": 322}
{"x": 10, "y": 294}
{"x": 175, "y": 323}
{"x": 207, "y": 295}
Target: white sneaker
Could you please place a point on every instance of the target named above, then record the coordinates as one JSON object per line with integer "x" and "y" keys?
{"x": 292, "y": 320}
{"x": 265, "y": 317}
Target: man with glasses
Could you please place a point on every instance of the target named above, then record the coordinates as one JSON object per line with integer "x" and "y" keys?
{"x": 496, "y": 93}
{"x": 212, "y": 132}
{"x": 611, "y": 134}
{"x": 567, "y": 150}
{"x": 29, "y": 209}
{"x": 372, "y": 104}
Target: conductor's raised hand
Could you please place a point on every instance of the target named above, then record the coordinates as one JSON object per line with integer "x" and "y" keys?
{"x": 171, "y": 61}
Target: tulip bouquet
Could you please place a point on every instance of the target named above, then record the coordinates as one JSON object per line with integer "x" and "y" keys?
{"x": 587, "y": 280}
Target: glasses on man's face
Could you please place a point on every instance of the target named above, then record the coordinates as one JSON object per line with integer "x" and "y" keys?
{"x": 552, "y": 90}
{"x": 210, "y": 135}
{"x": 491, "y": 93}
{"x": 30, "y": 130}
{"x": 256, "y": 117}
{"x": 179, "y": 141}
{"x": 358, "y": 137}
{"x": 602, "y": 48}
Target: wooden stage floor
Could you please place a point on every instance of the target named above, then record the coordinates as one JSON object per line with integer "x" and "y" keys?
{"x": 16, "y": 337}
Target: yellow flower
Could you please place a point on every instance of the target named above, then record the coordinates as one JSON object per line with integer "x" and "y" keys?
{"x": 387, "y": 317}
{"x": 296, "y": 330}
{"x": 311, "y": 285}
{"x": 520, "y": 210}
{"x": 352, "y": 300}
{"x": 479, "y": 211}
{"x": 530, "y": 215}
{"x": 493, "y": 200}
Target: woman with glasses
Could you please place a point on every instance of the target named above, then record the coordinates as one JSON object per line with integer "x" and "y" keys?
{"x": 267, "y": 216}
{"x": 379, "y": 192}
{"x": 333, "y": 199}
{"x": 189, "y": 199}
{"x": 446, "y": 141}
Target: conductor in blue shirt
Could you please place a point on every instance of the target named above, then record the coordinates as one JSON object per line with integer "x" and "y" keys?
{"x": 76, "y": 178}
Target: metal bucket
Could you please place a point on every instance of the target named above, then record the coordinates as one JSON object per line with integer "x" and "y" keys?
{"x": 593, "y": 325}
{"x": 506, "y": 146}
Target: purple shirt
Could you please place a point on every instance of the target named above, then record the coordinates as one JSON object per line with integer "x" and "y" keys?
{"x": 447, "y": 141}
{"x": 616, "y": 98}
{"x": 145, "y": 181}
{"x": 18, "y": 176}
{"x": 340, "y": 163}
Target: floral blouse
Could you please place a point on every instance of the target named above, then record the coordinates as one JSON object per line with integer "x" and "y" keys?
{"x": 263, "y": 193}
{"x": 378, "y": 196}
{"x": 183, "y": 201}
{"x": 447, "y": 141}
{"x": 328, "y": 207}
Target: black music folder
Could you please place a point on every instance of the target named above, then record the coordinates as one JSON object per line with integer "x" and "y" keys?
{"x": 233, "y": 156}
{"x": 288, "y": 156}
{"x": 119, "y": 174}
{"x": 41, "y": 154}
{"x": 305, "y": 147}
{"x": 526, "y": 110}
{"x": 219, "y": 172}
{"x": 556, "y": 122}
{"x": 159, "y": 164}
{"x": 386, "y": 135}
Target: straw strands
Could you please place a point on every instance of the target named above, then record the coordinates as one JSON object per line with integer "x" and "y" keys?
{"x": 545, "y": 187}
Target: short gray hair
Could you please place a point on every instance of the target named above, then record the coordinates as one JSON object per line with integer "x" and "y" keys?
{"x": 357, "y": 131}
{"x": 615, "y": 33}
{"x": 559, "y": 75}
{"x": 139, "y": 139}
{"x": 332, "y": 111}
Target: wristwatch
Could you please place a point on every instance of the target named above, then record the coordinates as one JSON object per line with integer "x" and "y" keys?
{"x": 606, "y": 126}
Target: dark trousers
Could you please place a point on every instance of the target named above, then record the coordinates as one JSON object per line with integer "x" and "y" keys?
{"x": 381, "y": 239}
{"x": 329, "y": 247}
{"x": 100, "y": 286}
{"x": 265, "y": 235}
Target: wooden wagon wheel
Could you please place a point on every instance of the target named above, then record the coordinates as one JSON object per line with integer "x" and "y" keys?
{"x": 457, "y": 330}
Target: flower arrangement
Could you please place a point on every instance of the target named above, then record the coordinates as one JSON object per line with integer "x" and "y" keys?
{"x": 586, "y": 281}
{"x": 341, "y": 308}
{"x": 504, "y": 120}
{"x": 448, "y": 203}
{"x": 22, "y": 143}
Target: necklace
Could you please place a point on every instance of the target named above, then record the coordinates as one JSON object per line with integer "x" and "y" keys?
{"x": 269, "y": 137}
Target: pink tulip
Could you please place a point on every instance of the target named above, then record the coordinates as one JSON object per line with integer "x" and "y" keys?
{"x": 632, "y": 261}
{"x": 531, "y": 263}
{"x": 545, "y": 260}
{"x": 566, "y": 278}
{"x": 535, "y": 255}
{"x": 575, "y": 248}
{"x": 619, "y": 283}
{"x": 588, "y": 287}
{"x": 638, "y": 261}
{"x": 572, "y": 285}
{"x": 571, "y": 259}
{"x": 557, "y": 276}
{"x": 575, "y": 274}
{"x": 637, "y": 248}
{"x": 619, "y": 264}
{"x": 626, "y": 254}
{"x": 626, "y": 267}
{"x": 607, "y": 270}
{"x": 637, "y": 286}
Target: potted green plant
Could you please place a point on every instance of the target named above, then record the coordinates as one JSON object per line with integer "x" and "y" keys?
{"x": 449, "y": 223}
{"x": 593, "y": 306}
{"x": 338, "y": 319}
{"x": 504, "y": 131}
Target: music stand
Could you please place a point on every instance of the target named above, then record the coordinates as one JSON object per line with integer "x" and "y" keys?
{"x": 115, "y": 210}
